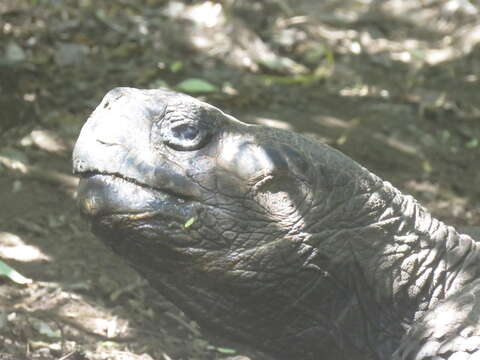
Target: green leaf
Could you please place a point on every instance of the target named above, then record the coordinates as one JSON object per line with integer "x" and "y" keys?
{"x": 226, "y": 350}
{"x": 196, "y": 86}
{"x": 176, "y": 66}
{"x": 473, "y": 143}
{"x": 12, "y": 274}
{"x": 189, "y": 222}
{"x": 14, "y": 53}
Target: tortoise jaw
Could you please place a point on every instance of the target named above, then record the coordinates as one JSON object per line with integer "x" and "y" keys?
{"x": 108, "y": 194}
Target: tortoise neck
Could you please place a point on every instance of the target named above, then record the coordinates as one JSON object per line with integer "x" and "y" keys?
{"x": 403, "y": 260}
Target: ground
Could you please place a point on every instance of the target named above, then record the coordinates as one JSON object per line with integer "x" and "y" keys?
{"x": 394, "y": 84}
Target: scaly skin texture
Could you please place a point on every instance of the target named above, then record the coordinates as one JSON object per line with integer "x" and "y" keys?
{"x": 272, "y": 238}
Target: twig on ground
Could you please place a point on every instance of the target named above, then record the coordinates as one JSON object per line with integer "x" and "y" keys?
{"x": 34, "y": 172}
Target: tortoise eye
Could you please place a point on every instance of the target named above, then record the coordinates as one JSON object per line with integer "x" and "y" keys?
{"x": 185, "y": 136}
{"x": 185, "y": 132}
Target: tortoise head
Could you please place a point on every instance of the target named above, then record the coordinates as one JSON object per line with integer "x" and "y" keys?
{"x": 219, "y": 215}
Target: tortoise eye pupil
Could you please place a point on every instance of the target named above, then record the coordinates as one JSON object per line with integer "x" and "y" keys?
{"x": 185, "y": 136}
{"x": 185, "y": 132}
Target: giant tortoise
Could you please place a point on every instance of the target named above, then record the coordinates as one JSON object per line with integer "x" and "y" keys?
{"x": 273, "y": 238}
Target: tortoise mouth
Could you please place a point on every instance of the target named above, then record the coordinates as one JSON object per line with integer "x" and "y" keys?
{"x": 103, "y": 194}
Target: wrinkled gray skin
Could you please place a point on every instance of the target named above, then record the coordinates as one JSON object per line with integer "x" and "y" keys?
{"x": 272, "y": 238}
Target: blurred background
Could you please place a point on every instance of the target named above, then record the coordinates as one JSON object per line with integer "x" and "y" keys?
{"x": 392, "y": 83}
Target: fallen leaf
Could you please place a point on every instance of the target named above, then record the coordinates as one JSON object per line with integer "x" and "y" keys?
{"x": 196, "y": 86}
{"x": 13, "y": 274}
{"x": 14, "y": 53}
{"x": 189, "y": 222}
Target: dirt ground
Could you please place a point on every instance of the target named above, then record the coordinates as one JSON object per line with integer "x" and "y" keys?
{"x": 394, "y": 84}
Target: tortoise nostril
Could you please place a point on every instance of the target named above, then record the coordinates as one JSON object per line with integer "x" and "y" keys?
{"x": 79, "y": 166}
